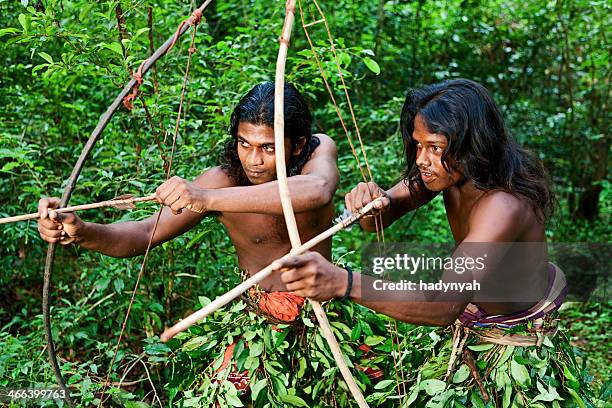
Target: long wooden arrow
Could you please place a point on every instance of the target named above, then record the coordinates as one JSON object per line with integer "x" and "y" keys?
{"x": 119, "y": 203}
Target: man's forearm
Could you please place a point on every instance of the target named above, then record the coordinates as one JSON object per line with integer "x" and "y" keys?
{"x": 307, "y": 193}
{"x": 413, "y": 308}
{"x": 121, "y": 240}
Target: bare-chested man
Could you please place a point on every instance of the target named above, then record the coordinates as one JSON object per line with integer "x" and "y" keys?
{"x": 497, "y": 199}
{"x": 494, "y": 192}
{"x": 242, "y": 192}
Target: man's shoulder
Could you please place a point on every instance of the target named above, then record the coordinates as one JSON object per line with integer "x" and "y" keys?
{"x": 215, "y": 177}
{"x": 503, "y": 202}
{"x": 326, "y": 145}
{"x": 506, "y": 209}
{"x": 324, "y": 139}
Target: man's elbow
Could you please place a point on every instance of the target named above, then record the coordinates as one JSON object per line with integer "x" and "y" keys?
{"x": 323, "y": 191}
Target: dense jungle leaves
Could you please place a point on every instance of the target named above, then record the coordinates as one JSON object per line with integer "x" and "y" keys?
{"x": 547, "y": 64}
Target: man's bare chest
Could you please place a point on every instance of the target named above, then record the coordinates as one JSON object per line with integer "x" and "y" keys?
{"x": 255, "y": 229}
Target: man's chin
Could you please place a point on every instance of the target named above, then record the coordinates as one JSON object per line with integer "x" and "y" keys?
{"x": 259, "y": 180}
{"x": 433, "y": 186}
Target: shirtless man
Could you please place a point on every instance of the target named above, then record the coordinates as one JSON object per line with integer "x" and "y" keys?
{"x": 242, "y": 192}
{"x": 494, "y": 192}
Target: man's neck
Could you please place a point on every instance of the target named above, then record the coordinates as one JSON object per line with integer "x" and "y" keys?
{"x": 468, "y": 192}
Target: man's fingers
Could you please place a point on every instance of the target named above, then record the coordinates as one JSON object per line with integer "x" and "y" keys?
{"x": 66, "y": 240}
{"x": 164, "y": 190}
{"x": 51, "y": 236}
{"x": 290, "y": 262}
{"x": 348, "y": 201}
{"x": 49, "y": 233}
{"x": 60, "y": 218}
{"x": 296, "y": 286}
{"x": 358, "y": 198}
{"x": 47, "y": 223}
{"x": 64, "y": 218}
{"x": 382, "y": 203}
{"x": 46, "y": 203}
{"x": 293, "y": 275}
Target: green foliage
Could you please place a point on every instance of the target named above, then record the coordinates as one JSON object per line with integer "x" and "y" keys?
{"x": 546, "y": 63}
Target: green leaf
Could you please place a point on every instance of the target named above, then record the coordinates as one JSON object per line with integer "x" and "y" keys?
{"x": 548, "y": 343}
{"x": 461, "y": 374}
{"x": 481, "y": 347}
{"x": 383, "y": 384}
{"x": 505, "y": 356}
{"x": 255, "y": 349}
{"x": 25, "y": 22}
{"x": 577, "y": 398}
{"x": 294, "y": 400}
{"x": 10, "y": 166}
{"x": 9, "y": 30}
{"x": 139, "y": 32}
{"x": 194, "y": 343}
{"x": 302, "y": 368}
{"x": 372, "y": 65}
{"x": 115, "y": 47}
{"x": 46, "y": 57}
{"x": 413, "y": 395}
{"x": 507, "y": 399}
{"x": 374, "y": 340}
{"x": 257, "y": 388}
{"x": 136, "y": 404}
{"x": 476, "y": 400}
{"x": 233, "y": 400}
{"x": 157, "y": 348}
{"x": 307, "y": 321}
{"x": 520, "y": 373}
{"x": 432, "y": 386}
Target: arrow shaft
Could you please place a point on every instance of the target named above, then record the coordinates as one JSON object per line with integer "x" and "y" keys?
{"x": 107, "y": 203}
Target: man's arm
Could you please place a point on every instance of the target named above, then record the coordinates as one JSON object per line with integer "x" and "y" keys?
{"x": 399, "y": 201}
{"x": 496, "y": 219}
{"x": 124, "y": 239}
{"x": 313, "y": 188}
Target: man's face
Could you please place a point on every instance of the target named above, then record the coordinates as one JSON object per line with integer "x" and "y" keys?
{"x": 429, "y": 158}
{"x": 256, "y": 152}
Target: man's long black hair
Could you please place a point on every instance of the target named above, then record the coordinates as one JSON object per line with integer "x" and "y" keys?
{"x": 478, "y": 142}
{"x": 257, "y": 108}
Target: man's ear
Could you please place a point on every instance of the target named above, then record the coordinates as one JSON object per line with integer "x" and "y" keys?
{"x": 300, "y": 146}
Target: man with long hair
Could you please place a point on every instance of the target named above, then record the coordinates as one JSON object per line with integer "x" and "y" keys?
{"x": 497, "y": 199}
{"x": 242, "y": 192}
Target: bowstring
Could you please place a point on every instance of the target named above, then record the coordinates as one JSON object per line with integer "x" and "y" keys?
{"x": 168, "y": 166}
{"x": 378, "y": 220}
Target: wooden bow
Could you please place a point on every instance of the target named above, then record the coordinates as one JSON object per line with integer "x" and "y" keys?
{"x": 281, "y": 174}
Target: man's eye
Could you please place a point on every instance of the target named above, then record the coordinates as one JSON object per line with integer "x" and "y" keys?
{"x": 244, "y": 144}
{"x": 436, "y": 148}
{"x": 269, "y": 149}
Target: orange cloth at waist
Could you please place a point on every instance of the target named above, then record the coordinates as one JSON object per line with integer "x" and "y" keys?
{"x": 285, "y": 306}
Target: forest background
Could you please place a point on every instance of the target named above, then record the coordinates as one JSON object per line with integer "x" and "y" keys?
{"x": 546, "y": 63}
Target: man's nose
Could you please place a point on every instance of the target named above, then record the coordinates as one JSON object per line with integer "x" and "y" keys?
{"x": 256, "y": 158}
{"x": 422, "y": 160}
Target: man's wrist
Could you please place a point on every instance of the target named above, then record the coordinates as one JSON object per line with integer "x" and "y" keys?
{"x": 344, "y": 291}
{"x": 208, "y": 198}
{"x": 82, "y": 236}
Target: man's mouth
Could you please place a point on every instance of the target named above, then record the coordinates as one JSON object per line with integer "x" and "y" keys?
{"x": 427, "y": 176}
{"x": 254, "y": 173}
